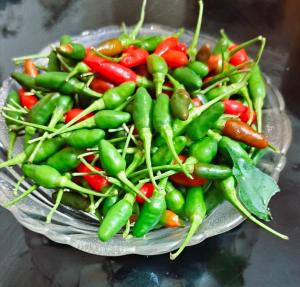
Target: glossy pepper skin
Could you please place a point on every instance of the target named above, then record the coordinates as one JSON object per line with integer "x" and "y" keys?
{"x": 162, "y": 123}
{"x": 26, "y": 81}
{"x": 27, "y": 101}
{"x": 149, "y": 43}
{"x": 53, "y": 62}
{"x": 84, "y": 138}
{"x": 108, "y": 203}
{"x": 257, "y": 90}
{"x": 111, "y": 47}
{"x": 170, "y": 219}
{"x": 212, "y": 171}
{"x": 100, "y": 86}
{"x": 175, "y": 58}
{"x": 73, "y": 200}
{"x": 150, "y": 214}
{"x": 239, "y": 57}
{"x": 30, "y": 68}
{"x": 164, "y": 156}
{"x": 13, "y": 127}
{"x": 240, "y": 131}
{"x": 158, "y": 68}
{"x": 43, "y": 110}
{"x": 199, "y": 68}
{"x": 65, "y": 160}
{"x": 56, "y": 81}
{"x": 49, "y": 177}
{"x": 147, "y": 189}
{"x": 47, "y": 148}
{"x": 74, "y": 51}
{"x": 188, "y": 78}
{"x": 116, "y": 217}
{"x": 198, "y": 128}
{"x": 166, "y": 45}
{"x": 95, "y": 181}
{"x": 134, "y": 57}
{"x": 73, "y": 113}
{"x": 108, "y": 119}
{"x": 204, "y": 150}
{"x": 142, "y": 118}
{"x": 174, "y": 199}
{"x": 180, "y": 102}
{"x": 195, "y": 211}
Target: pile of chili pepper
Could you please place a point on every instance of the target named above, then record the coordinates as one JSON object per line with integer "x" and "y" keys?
{"x": 143, "y": 132}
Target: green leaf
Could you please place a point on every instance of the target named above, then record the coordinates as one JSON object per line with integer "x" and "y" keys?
{"x": 255, "y": 188}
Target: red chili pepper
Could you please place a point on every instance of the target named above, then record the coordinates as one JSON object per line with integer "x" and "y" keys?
{"x": 214, "y": 63}
{"x": 70, "y": 115}
{"x": 89, "y": 158}
{"x": 93, "y": 61}
{"x": 197, "y": 103}
{"x": 30, "y": 68}
{"x": 95, "y": 181}
{"x": 100, "y": 85}
{"x": 245, "y": 116}
{"x": 27, "y": 101}
{"x": 182, "y": 179}
{"x": 168, "y": 84}
{"x": 133, "y": 218}
{"x": 239, "y": 57}
{"x": 175, "y": 58}
{"x": 207, "y": 79}
{"x": 147, "y": 189}
{"x": 165, "y": 45}
{"x": 181, "y": 47}
{"x": 142, "y": 71}
{"x": 233, "y": 107}
{"x": 133, "y": 57}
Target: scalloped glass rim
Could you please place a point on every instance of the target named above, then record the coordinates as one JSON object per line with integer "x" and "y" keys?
{"x": 79, "y": 229}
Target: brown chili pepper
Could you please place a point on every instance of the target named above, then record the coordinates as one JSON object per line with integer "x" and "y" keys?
{"x": 240, "y": 131}
{"x": 111, "y": 47}
{"x": 203, "y": 53}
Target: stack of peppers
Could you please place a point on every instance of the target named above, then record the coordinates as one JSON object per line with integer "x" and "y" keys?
{"x": 138, "y": 130}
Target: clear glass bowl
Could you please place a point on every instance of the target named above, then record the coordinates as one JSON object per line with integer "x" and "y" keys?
{"x": 79, "y": 229}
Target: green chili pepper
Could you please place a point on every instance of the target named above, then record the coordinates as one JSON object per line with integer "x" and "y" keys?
{"x": 84, "y": 138}
{"x": 114, "y": 164}
{"x": 25, "y": 81}
{"x": 188, "y": 78}
{"x": 162, "y": 123}
{"x": 149, "y": 43}
{"x": 257, "y": 89}
{"x": 212, "y": 171}
{"x": 174, "y": 199}
{"x": 108, "y": 203}
{"x": 49, "y": 177}
{"x": 47, "y": 148}
{"x": 116, "y": 217}
{"x": 65, "y": 160}
{"x": 56, "y": 81}
{"x": 180, "y": 100}
{"x": 158, "y": 68}
{"x": 164, "y": 156}
{"x": 142, "y": 115}
{"x": 216, "y": 92}
{"x": 227, "y": 187}
{"x": 53, "y": 62}
{"x": 105, "y": 119}
{"x": 151, "y": 212}
{"x": 195, "y": 210}
{"x": 212, "y": 198}
{"x": 199, "y": 68}
{"x": 65, "y": 39}
{"x": 198, "y": 128}
{"x": 223, "y": 43}
{"x": 13, "y": 127}
{"x": 204, "y": 150}
{"x": 74, "y": 51}
{"x": 80, "y": 68}
{"x": 73, "y": 200}
{"x": 42, "y": 111}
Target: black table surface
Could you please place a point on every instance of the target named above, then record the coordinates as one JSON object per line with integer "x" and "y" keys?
{"x": 245, "y": 256}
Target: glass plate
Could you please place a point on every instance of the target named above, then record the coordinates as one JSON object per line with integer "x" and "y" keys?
{"x": 79, "y": 229}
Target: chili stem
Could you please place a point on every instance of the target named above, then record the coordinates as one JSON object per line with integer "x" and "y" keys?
{"x": 20, "y": 197}
{"x": 192, "y": 50}
{"x": 18, "y": 185}
{"x": 33, "y": 56}
{"x": 139, "y": 24}
{"x": 55, "y": 206}
{"x": 127, "y": 141}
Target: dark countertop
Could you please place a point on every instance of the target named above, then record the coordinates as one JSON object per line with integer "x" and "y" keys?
{"x": 245, "y": 256}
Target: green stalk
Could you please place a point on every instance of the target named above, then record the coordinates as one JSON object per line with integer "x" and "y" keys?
{"x": 139, "y": 24}
{"x": 12, "y": 135}
{"x": 192, "y": 50}
{"x": 56, "y": 205}
{"x": 20, "y": 197}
